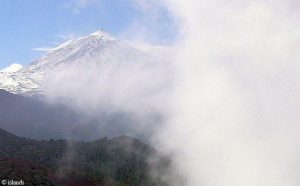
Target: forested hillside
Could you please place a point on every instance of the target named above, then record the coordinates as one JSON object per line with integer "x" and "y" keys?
{"x": 117, "y": 161}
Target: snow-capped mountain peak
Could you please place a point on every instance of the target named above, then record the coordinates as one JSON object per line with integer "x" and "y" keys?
{"x": 103, "y": 34}
{"x": 12, "y": 68}
{"x": 97, "y": 48}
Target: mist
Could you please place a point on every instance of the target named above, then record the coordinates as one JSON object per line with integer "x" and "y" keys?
{"x": 235, "y": 115}
{"x": 226, "y": 105}
{"x": 119, "y": 93}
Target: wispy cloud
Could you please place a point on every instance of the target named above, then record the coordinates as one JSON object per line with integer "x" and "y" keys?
{"x": 83, "y": 3}
{"x": 66, "y": 37}
{"x": 76, "y": 5}
{"x": 42, "y": 49}
{"x": 58, "y": 39}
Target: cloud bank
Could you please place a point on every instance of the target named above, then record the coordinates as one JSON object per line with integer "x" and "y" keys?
{"x": 231, "y": 108}
{"x": 235, "y": 115}
{"x": 123, "y": 85}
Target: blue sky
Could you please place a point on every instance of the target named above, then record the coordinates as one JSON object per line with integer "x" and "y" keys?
{"x": 25, "y": 25}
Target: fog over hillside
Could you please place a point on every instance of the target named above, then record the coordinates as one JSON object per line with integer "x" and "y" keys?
{"x": 35, "y": 118}
{"x": 235, "y": 112}
{"x": 222, "y": 101}
{"x": 88, "y": 87}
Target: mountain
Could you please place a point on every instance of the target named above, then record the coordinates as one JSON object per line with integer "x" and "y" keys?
{"x": 12, "y": 68}
{"x": 17, "y": 83}
{"x": 34, "y": 118}
{"x": 92, "y": 50}
{"x": 31, "y": 117}
{"x": 120, "y": 161}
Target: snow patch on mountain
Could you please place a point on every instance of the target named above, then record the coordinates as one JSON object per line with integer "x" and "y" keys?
{"x": 94, "y": 50}
{"x": 12, "y": 68}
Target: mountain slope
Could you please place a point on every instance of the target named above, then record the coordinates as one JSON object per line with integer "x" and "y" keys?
{"x": 92, "y": 50}
{"x": 116, "y": 162}
{"x": 12, "y": 68}
{"x": 34, "y": 118}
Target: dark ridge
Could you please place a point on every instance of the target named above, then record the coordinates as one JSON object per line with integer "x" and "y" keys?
{"x": 35, "y": 118}
{"x": 120, "y": 161}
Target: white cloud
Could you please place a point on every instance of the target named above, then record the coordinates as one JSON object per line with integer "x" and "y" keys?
{"x": 60, "y": 38}
{"x": 76, "y": 5}
{"x": 234, "y": 110}
{"x": 83, "y": 3}
{"x": 43, "y": 49}
{"x": 66, "y": 37}
{"x": 235, "y": 113}
{"x": 152, "y": 25}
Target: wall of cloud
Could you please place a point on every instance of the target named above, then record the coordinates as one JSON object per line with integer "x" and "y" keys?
{"x": 117, "y": 91}
{"x": 230, "y": 107}
{"x": 235, "y": 114}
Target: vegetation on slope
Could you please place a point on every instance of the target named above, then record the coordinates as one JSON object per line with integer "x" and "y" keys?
{"x": 118, "y": 161}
